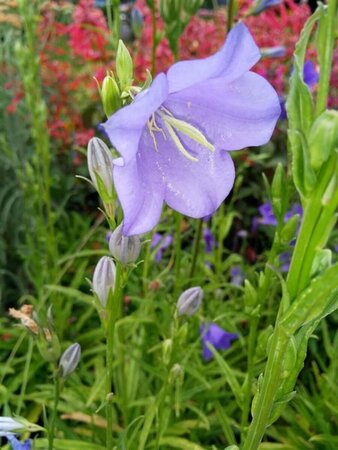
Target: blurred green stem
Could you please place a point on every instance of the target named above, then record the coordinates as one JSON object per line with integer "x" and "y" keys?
{"x": 51, "y": 431}
{"x": 196, "y": 247}
{"x": 153, "y": 37}
{"x": 113, "y": 313}
{"x": 329, "y": 28}
{"x": 178, "y": 243}
{"x": 231, "y": 13}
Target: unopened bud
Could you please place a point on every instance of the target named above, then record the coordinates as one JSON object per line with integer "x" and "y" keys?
{"x": 167, "y": 350}
{"x": 125, "y": 249}
{"x": 70, "y": 359}
{"x": 323, "y": 138}
{"x": 176, "y": 375}
{"x": 104, "y": 279}
{"x": 124, "y": 66}
{"x": 189, "y": 301}
{"x": 110, "y": 95}
{"x": 136, "y": 22}
{"x": 100, "y": 167}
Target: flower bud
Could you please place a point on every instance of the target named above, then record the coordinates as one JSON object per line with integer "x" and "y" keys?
{"x": 104, "y": 279}
{"x": 124, "y": 66}
{"x": 70, "y": 359}
{"x": 100, "y": 167}
{"x": 176, "y": 375}
{"x": 125, "y": 249}
{"x": 167, "y": 350}
{"x": 136, "y": 22}
{"x": 323, "y": 138}
{"x": 273, "y": 52}
{"x": 189, "y": 301}
{"x": 110, "y": 95}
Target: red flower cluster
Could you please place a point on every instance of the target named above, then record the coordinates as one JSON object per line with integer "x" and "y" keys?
{"x": 277, "y": 26}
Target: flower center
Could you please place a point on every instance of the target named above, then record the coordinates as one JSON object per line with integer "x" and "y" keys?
{"x": 174, "y": 127}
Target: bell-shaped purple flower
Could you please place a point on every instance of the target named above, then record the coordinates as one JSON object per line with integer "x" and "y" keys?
{"x": 175, "y": 136}
{"x": 161, "y": 243}
{"x": 17, "y": 445}
{"x": 217, "y": 337}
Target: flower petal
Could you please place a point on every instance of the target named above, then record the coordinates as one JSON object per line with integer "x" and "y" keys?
{"x": 141, "y": 196}
{"x": 125, "y": 127}
{"x": 231, "y": 115}
{"x": 195, "y": 189}
{"x": 237, "y": 56}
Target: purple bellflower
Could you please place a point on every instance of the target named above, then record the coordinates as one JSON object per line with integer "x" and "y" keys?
{"x": 237, "y": 276}
{"x": 163, "y": 244}
{"x": 17, "y": 445}
{"x": 310, "y": 74}
{"x": 261, "y": 5}
{"x": 209, "y": 240}
{"x": 175, "y": 136}
{"x": 217, "y": 337}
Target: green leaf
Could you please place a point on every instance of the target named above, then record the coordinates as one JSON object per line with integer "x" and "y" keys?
{"x": 180, "y": 443}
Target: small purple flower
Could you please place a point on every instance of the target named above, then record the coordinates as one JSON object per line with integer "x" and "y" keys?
{"x": 17, "y": 445}
{"x": 209, "y": 240}
{"x": 310, "y": 74}
{"x": 164, "y": 243}
{"x": 237, "y": 276}
{"x": 285, "y": 260}
{"x": 174, "y": 138}
{"x": 267, "y": 215}
{"x": 217, "y": 337}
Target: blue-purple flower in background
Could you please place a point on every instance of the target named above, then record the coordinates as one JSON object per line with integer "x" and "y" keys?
{"x": 161, "y": 243}
{"x": 217, "y": 337}
{"x": 310, "y": 74}
{"x": 17, "y": 445}
{"x": 209, "y": 240}
{"x": 260, "y": 5}
{"x": 175, "y": 136}
{"x": 237, "y": 276}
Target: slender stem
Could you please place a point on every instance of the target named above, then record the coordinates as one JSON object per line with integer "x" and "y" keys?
{"x": 231, "y": 13}
{"x": 113, "y": 310}
{"x": 178, "y": 242}
{"x": 154, "y": 38}
{"x": 25, "y": 374}
{"x": 270, "y": 385}
{"x": 196, "y": 248}
{"x": 312, "y": 214}
{"x": 326, "y": 62}
{"x": 54, "y": 412}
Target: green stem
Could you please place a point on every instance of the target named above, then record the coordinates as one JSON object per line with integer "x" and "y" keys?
{"x": 231, "y": 13}
{"x": 178, "y": 242}
{"x": 326, "y": 57}
{"x": 54, "y": 412}
{"x": 269, "y": 387}
{"x": 117, "y": 23}
{"x": 113, "y": 311}
{"x": 196, "y": 248}
{"x": 298, "y": 276}
{"x": 154, "y": 38}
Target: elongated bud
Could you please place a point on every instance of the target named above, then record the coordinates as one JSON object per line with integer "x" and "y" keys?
{"x": 124, "y": 66}
{"x": 110, "y": 95}
{"x": 100, "y": 167}
{"x": 125, "y": 249}
{"x": 273, "y": 52}
{"x": 189, "y": 301}
{"x": 136, "y": 22}
{"x": 176, "y": 375}
{"x": 323, "y": 138}
{"x": 279, "y": 192}
{"x": 70, "y": 359}
{"x": 167, "y": 350}
{"x": 104, "y": 279}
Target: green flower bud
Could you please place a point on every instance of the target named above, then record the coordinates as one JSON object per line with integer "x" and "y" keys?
{"x": 289, "y": 230}
{"x": 250, "y": 295}
{"x": 279, "y": 193}
{"x": 136, "y": 22}
{"x": 110, "y": 95}
{"x": 124, "y": 66}
{"x": 176, "y": 375}
{"x": 189, "y": 301}
{"x": 104, "y": 279}
{"x": 323, "y": 138}
{"x": 125, "y": 249}
{"x": 49, "y": 345}
{"x": 167, "y": 347}
{"x": 69, "y": 360}
{"x": 100, "y": 167}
